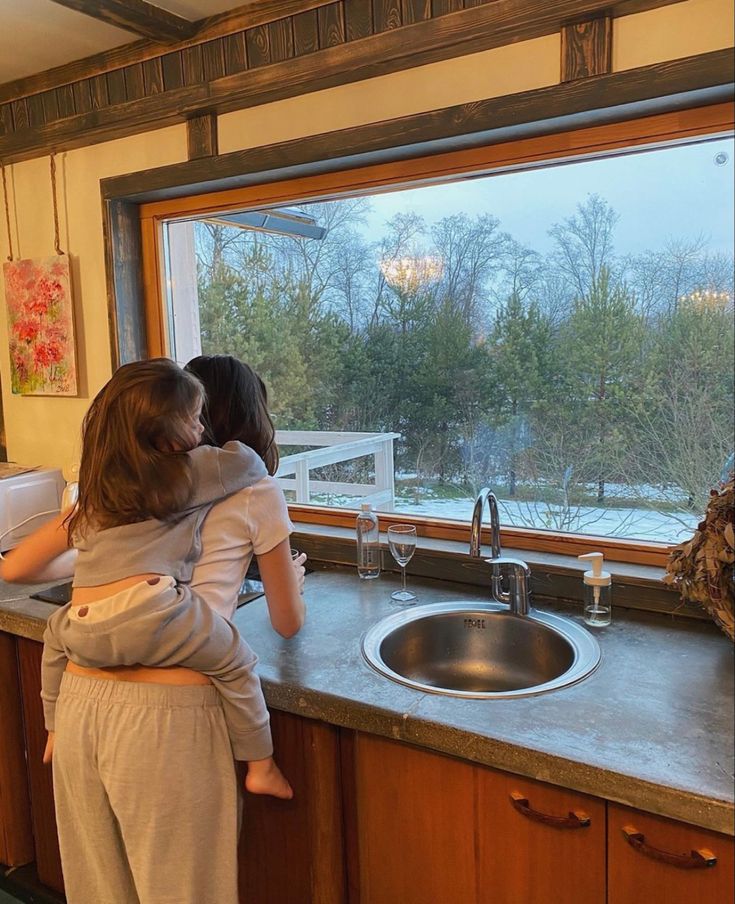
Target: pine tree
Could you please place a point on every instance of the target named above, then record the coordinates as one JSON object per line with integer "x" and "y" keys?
{"x": 520, "y": 343}
{"x": 599, "y": 345}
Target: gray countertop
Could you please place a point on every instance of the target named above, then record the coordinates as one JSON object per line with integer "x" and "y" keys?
{"x": 652, "y": 727}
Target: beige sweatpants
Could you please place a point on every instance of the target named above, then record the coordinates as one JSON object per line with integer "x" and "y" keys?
{"x": 146, "y": 796}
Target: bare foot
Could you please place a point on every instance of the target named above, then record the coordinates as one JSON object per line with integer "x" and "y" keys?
{"x": 264, "y": 777}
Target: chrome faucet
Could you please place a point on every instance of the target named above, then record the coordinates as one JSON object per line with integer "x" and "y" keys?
{"x": 518, "y": 597}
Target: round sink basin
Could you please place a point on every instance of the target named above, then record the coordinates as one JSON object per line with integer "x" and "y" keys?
{"x": 466, "y": 649}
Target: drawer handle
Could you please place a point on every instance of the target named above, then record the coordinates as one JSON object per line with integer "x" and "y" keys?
{"x": 701, "y": 859}
{"x": 575, "y": 820}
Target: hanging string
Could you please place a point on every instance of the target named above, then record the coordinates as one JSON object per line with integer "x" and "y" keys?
{"x": 7, "y": 212}
{"x": 57, "y": 241}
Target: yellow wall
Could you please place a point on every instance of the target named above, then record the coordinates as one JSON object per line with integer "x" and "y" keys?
{"x": 45, "y": 430}
{"x": 683, "y": 29}
{"x": 505, "y": 70}
{"x": 695, "y": 26}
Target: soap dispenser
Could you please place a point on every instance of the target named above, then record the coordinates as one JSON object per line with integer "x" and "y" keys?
{"x": 597, "y": 591}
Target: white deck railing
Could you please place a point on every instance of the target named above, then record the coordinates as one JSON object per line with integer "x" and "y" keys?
{"x": 293, "y": 470}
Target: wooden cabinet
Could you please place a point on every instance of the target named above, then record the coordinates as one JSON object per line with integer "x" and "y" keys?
{"x": 291, "y": 851}
{"x": 423, "y": 827}
{"x": 537, "y": 843}
{"x": 432, "y": 828}
{"x": 48, "y": 861}
{"x": 652, "y": 859}
{"x": 413, "y": 821}
{"x": 376, "y": 821}
{"x": 16, "y": 837}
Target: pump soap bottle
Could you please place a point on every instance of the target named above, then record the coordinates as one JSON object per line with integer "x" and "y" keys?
{"x": 597, "y": 591}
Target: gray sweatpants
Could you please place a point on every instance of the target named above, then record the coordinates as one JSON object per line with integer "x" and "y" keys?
{"x": 146, "y": 796}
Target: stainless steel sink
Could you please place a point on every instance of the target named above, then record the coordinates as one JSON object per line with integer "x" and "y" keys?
{"x": 467, "y": 649}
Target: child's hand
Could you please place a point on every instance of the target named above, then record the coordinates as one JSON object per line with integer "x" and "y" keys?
{"x": 300, "y": 571}
{"x": 49, "y": 751}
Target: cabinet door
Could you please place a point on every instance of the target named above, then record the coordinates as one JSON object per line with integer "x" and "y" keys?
{"x": 537, "y": 843}
{"x": 412, "y": 815}
{"x": 48, "y": 860}
{"x": 655, "y": 859}
{"x": 291, "y": 851}
{"x": 16, "y": 838}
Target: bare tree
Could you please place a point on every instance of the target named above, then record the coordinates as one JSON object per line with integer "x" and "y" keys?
{"x": 661, "y": 278}
{"x": 584, "y": 245}
{"x": 214, "y": 243}
{"x": 472, "y": 252}
{"x": 522, "y": 273}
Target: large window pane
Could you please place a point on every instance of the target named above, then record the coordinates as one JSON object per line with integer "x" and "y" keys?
{"x": 563, "y": 335}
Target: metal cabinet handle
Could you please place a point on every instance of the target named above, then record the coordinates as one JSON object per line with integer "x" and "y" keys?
{"x": 575, "y": 820}
{"x": 701, "y": 859}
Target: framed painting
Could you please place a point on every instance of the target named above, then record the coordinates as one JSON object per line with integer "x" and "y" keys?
{"x": 40, "y": 326}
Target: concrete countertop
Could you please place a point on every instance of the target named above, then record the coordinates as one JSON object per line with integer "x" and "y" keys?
{"x": 651, "y": 728}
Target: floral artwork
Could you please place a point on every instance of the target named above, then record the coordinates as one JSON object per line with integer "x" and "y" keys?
{"x": 41, "y": 326}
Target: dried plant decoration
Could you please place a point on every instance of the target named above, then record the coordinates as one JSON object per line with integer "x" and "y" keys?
{"x": 702, "y": 568}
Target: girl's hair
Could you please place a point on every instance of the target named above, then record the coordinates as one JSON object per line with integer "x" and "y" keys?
{"x": 236, "y": 406}
{"x": 134, "y": 440}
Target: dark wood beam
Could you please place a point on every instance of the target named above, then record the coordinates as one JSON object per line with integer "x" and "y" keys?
{"x": 137, "y": 16}
{"x": 586, "y": 49}
{"x": 513, "y": 17}
{"x": 201, "y": 136}
{"x": 123, "y": 269}
{"x": 218, "y": 26}
{"x": 648, "y": 90}
{"x": 481, "y": 28}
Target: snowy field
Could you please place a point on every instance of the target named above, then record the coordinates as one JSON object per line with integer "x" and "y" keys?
{"x": 628, "y": 523}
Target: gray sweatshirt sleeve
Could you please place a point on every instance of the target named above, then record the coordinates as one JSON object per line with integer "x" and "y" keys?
{"x": 179, "y": 629}
{"x": 53, "y": 664}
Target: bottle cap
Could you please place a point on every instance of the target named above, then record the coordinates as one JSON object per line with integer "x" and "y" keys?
{"x": 596, "y": 577}
{"x": 366, "y": 507}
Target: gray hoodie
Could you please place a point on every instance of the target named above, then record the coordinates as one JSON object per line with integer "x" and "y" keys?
{"x": 173, "y": 627}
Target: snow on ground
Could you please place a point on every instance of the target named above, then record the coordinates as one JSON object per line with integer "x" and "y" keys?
{"x": 630, "y": 523}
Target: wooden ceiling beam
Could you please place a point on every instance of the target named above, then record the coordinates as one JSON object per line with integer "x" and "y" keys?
{"x": 252, "y": 16}
{"x": 137, "y": 16}
{"x": 676, "y": 85}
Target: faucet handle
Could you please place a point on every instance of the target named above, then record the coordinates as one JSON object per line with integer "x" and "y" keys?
{"x": 519, "y": 596}
{"x": 516, "y": 564}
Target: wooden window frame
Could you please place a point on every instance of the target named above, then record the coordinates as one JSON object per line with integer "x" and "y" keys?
{"x": 645, "y": 133}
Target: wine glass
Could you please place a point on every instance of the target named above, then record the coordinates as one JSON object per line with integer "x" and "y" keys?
{"x": 402, "y": 545}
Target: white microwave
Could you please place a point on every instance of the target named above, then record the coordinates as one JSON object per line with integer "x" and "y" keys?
{"x": 24, "y": 496}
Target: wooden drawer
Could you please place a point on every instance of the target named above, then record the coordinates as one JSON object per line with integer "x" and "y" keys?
{"x": 538, "y": 843}
{"x": 641, "y": 866}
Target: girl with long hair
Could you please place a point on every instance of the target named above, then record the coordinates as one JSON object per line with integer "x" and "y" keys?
{"x": 250, "y": 521}
{"x": 150, "y": 741}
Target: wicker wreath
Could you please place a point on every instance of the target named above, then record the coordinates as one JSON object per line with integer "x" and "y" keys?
{"x": 702, "y": 568}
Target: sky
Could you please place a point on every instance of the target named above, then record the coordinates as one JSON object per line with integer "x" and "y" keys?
{"x": 678, "y": 192}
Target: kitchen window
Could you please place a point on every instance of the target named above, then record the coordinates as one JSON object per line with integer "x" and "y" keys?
{"x": 561, "y": 331}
